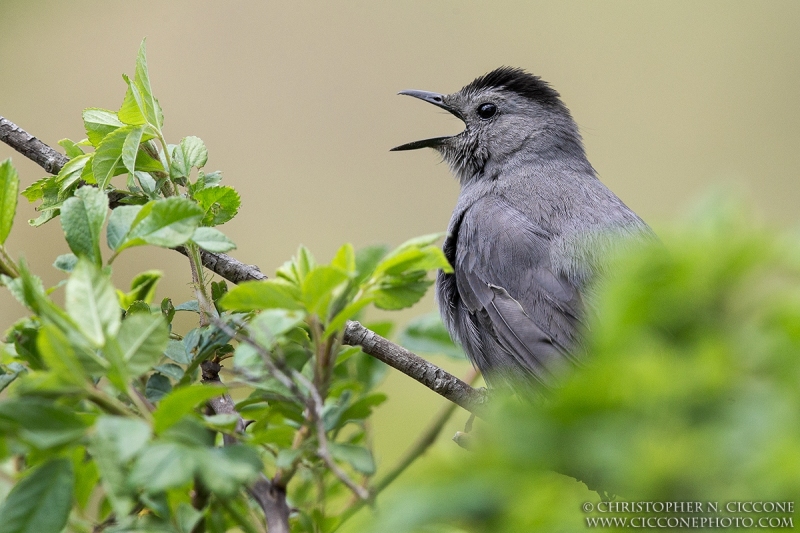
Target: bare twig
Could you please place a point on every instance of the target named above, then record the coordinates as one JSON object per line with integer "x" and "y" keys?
{"x": 31, "y": 147}
{"x": 226, "y": 266}
{"x": 414, "y": 366}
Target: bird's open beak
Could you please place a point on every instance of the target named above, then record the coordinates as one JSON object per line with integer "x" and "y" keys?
{"x": 437, "y": 100}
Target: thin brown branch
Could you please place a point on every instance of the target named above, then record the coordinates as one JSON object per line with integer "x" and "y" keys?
{"x": 31, "y": 147}
{"x": 42, "y": 154}
{"x": 226, "y": 266}
{"x": 414, "y": 366}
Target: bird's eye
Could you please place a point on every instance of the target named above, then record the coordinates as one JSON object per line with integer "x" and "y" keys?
{"x": 487, "y": 110}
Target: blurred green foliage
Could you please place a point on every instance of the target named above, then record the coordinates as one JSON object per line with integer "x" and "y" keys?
{"x": 690, "y": 393}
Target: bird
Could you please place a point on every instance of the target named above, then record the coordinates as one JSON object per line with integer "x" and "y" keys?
{"x": 529, "y": 232}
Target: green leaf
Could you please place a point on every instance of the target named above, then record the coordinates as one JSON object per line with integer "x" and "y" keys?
{"x": 268, "y": 294}
{"x": 213, "y": 240}
{"x": 82, "y": 218}
{"x": 119, "y": 224}
{"x": 345, "y": 258}
{"x": 428, "y": 258}
{"x": 127, "y": 436}
{"x": 190, "y": 431}
{"x": 52, "y": 194}
{"x": 115, "y": 441}
{"x": 194, "y": 151}
{"x": 41, "y": 423}
{"x": 10, "y": 374}
{"x": 362, "y": 408}
{"x": 108, "y": 158}
{"x": 219, "y": 203}
{"x": 99, "y": 123}
{"x": 170, "y": 370}
{"x": 427, "y": 334}
{"x": 147, "y": 183}
{"x": 163, "y": 466}
{"x": 148, "y": 102}
{"x": 218, "y": 289}
{"x": 130, "y": 112}
{"x": 272, "y": 323}
{"x": 9, "y": 187}
{"x": 92, "y": 303}
{"x": 29, "y": 291}
{"x": 72, "y": 171}
{"x": 367, "y": 259}
{"x": 226, "y": 471}
{"x": 143, "y": 339}
{"x": 167, "y": 310}
{"x": 339, "y": 320}
{"x": 204, "y": 180}
{"x": 359, "y": 457}
{"x": 130, "y": 148}
{"x": 422, "y": 241}
{"x": 157, "y": 387}
{"x": 167, "y": 222}
{"x": 191, "y": 152}
{"x": 66, "y": 262}
{"x": 41, "y": 502}
{"x": 181, "y": 402}
{"x": 87, "y": 476}
{"x": 143, "y": 288}
{"x": 71, "y": 149}
{"x": 287, "y": 457}
{"x": 59, "y": 356}
{"x": 177, "y": 352}
{"x": 87, "y": 175}
{"x": 137, "y": 306}
{"x": 318, "y": 287}
{"x": 191, "y": 306}
{"x": 187, "y": 517}
{"x": 399, "y": 292}
{"x": 34, "y": 191}
{"x": 334, "y": 409}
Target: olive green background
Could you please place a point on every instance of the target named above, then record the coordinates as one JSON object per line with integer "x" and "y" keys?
{"x": 296, "y": 103}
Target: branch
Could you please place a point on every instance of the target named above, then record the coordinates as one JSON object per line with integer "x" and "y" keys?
{"x": 31, "y": 147}
{"x": 45, "y": 156}
{"x": 355, "y": 334}
{"x": 226, "y": 266}
{"x": 414, "y": 366}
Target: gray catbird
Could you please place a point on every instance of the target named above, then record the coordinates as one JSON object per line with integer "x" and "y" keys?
{"x": 529, "y": 231}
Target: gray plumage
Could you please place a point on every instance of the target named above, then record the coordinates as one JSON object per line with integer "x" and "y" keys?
{"x": 529, "y": 230}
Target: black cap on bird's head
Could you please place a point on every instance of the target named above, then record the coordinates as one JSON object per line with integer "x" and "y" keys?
{"x": 501, "y": 110}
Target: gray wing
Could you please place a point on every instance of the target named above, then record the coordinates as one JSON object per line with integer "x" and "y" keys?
{"x": 514, "y": 315}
